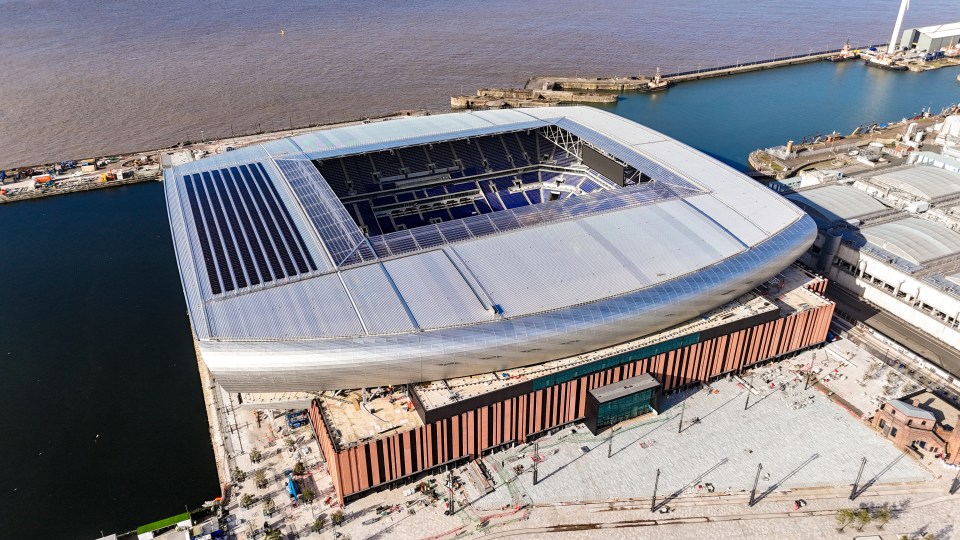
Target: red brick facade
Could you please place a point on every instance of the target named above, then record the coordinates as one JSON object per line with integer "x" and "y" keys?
{"x": 466, "y": 435}
{"x": 906, "y": 430}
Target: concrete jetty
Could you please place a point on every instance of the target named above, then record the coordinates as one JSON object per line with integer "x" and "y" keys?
{"x": 588, "y": 84}
{"x": 495, "y": 98}
{"x": 834, "y": 151}
{"x": 625, "y": 84}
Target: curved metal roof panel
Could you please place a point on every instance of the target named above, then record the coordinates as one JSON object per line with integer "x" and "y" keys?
{"x": 917, "y": 240}
{"x": 836, "y": 203}
{"x": 922, "y": 181}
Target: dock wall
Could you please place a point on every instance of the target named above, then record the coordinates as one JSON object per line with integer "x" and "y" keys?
{"x": 623, "y": 84}
{"x": 86, "y": 186}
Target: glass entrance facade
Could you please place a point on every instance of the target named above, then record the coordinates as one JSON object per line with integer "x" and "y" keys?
{"x": 625, "y": 408}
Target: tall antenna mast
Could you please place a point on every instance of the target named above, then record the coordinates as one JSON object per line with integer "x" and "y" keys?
{"x": 904, "y": 6}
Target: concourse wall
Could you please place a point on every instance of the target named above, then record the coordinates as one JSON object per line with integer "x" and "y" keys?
{"x": 463, "y": 436}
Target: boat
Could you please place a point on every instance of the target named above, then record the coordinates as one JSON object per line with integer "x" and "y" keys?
{"x": 883, "y": 61}
{"x": 846, "y": 53}
{"x": 657, "y": 84}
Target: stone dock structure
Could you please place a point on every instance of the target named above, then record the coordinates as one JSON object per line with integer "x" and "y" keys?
{"x": 627, "y": 84}
{"x": 495, "y": 98}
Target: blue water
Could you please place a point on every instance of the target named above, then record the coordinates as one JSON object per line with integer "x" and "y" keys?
{"x": 103, "y": 425}
{"x": 732, "y": 116}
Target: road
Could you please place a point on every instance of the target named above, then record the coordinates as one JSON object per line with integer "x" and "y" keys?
{"x": 937, "y": 352}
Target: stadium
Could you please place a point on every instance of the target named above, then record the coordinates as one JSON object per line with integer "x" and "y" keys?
{"x": 457, "y": 244}
{"x": 481, "y": 278}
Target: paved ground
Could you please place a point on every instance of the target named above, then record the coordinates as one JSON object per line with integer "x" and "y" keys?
{"x": 800, "y": 438}
{"x": 860, "y": 378}
{"x": 270, "y": 437}
{"x": 809, "y": 447}
{"x": 582, "y": 493}
{"x": 937, "y": 352}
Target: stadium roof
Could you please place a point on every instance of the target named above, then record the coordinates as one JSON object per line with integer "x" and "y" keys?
{"x": 830, "y": 204}
{"x": 917, "y": 240}
{"x": 508, "y": 288}
{"x": 922, "y": 181}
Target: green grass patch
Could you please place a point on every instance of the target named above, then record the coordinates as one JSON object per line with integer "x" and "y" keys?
{"x": 172, "y": 520}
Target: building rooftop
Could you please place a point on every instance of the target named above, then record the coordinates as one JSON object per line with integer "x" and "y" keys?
{"x": 941, "y": 30}
{"x": 291, "y": 285}
{"x": 910, "y": 410}
{"x": 625, "y": 387}
{"x": 917, "y": 240}
{"x": 924, "y": 182}
{"x": 830, "y": 204}
{"x": 351, "y": 421}
{"x": 944, "y": 412}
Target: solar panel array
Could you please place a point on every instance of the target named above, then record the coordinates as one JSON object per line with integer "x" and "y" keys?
{"x": 246, "y": 234}
{"x": 339, "y": 232}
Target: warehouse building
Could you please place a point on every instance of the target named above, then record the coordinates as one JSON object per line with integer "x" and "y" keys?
{"x": 931, "y": 38}
{"x": 893, "y": 238}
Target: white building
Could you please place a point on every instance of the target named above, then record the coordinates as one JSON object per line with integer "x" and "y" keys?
{"x": 931, "y": 38}
{"x": 893, "y": 239}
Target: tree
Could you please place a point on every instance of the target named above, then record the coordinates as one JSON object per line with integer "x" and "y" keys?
{"x": 307, "y": 496}
{"x": 260, "y": 479}
{"x": 299, "y": 469}
{"x": 863, "y": 518}
{"x": 881, "y": 516}
{"x": 255, "y": 456}
{"x": 337, "y": 518}
{"x": 238, "y": 475}
{"x": 269, "y": 506}
{"x": 844, "y": 518}
{"x": 929, "y": 536}
{"x": 246, "y": 500}
{"x": 318, "y": 523}
{"x": 290, "y": 442}
{"x": 903, "y": 537}
{"x": 273, "y": 534}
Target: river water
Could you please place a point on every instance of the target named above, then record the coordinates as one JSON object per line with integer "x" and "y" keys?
{"x": 103, "y": 424}
{"x": 91, "y": 77}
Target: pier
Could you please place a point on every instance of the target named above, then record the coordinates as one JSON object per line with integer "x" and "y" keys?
{"x": 835, "y": 151}
{"x": 495, "y": 98}
{"x": 624, "y": 84}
